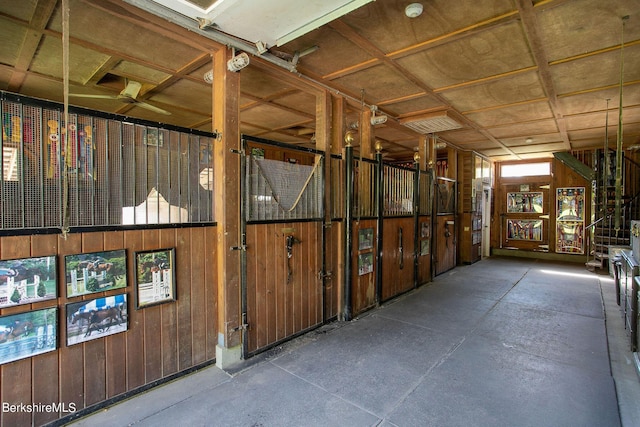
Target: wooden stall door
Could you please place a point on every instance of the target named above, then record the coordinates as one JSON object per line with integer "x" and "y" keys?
{"x": 445, "y": 240}
{"x": 397, "y": 257}
{"x": 284, "y": 293}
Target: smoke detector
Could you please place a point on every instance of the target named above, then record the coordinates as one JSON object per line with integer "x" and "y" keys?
{"x": 413, "y": 10}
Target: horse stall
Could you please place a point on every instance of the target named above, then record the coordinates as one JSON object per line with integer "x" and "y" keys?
{"x": 283, "y": 290}
{"x": 114, "y": 165}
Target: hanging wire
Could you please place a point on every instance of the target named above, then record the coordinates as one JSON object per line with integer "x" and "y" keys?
{"x": 65, "y": 134}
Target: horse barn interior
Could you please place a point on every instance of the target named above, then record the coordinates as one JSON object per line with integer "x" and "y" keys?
{"x": 237, "y": 173}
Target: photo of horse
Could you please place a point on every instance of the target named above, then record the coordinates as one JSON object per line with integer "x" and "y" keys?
{"x": 27, "y": 334}
{"x": 27, "y": 280}
{"x": 95, "y": 272}
{"x": 155, "y": 277}
{"x": 97, "y": 318}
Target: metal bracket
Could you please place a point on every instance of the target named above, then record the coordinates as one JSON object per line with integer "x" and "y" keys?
{"x": 325, "y": 274}
{"x": 242, "y": 327}
{"x": 327, "y": 224}
{"x": 234, "y": 151}
{"x": 238, "y": 248}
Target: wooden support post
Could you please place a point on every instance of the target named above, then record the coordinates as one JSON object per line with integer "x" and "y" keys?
{"x": 226, "y": 93}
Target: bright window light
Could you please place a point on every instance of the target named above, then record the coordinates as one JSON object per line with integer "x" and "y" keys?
{"x": 526, "y": 169}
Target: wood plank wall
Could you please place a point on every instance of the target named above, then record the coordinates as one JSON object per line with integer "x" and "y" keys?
{"x": 160, "y": 341}
{"x": 363, "y": 287}
{"x": 333, "y": 265}
{"x": 278, "y": 308}
{"x": 424, "y": 261}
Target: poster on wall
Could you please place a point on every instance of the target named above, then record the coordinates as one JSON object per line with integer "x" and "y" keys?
{"x": 570, "y": 203}
{"x": 96, "y": 318}
{"x": 524, "y": 229}
{"x": 27, "y": 280}
{"x": 569, "y": 237}
{"x": 95, "y": 272}
{"x": 27, "y": 334}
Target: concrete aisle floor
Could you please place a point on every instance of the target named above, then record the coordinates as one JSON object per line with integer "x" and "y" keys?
{"x": 502, "y": 342}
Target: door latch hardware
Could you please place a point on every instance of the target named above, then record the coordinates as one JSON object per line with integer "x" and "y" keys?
{"x": 238, "y": 248}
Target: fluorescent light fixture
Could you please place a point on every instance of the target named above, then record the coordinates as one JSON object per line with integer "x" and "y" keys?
{"x": 438, "y": 121}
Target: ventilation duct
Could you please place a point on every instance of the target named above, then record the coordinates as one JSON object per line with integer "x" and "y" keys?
{"x": 439, "y": 121}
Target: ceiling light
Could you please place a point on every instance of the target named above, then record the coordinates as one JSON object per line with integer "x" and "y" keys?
{"x": 208, "y": 77}
{"x": 413, "y": 10}
{"x": 238, "y": 62}
{"x": 529, "y": 140}
{"x": 377, "y": 120}
{"x": 438, "y": 121}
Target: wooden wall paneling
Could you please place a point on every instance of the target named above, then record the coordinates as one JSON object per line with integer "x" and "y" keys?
{"x": 45, "y": 366}
{"x": 152, "y": 342}
{"x": 133, "y": 241}
{"x": 424, "y": 261}
{"x": 211, "y": 293}
{"x": 256, "y": 318}
{"x": 304, "y": 305}
{"x": 292, "y": 286}
{"x": 183, "y": 279}
{"x": 169, "y": 313}
{"x": 364, "y": 286}
{"x": 316, "y": 301}
{"x": 115, "y": 345}
{"x": 198, "y": 302}
{"x": 16, "y": 392}
{"x": 94, "y": 350}
{"x": 332, "y": 283}
{"x": 152, "y": 318}
{"x": 71, "y": 385}
{"x": 281, "y": 280}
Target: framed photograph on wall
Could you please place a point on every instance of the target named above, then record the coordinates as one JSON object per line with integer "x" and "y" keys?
{"x": 95, "y": 272}
{"x": 365, "y": 263}
{"x": 96, "y": 318}
{"x": 155, "y": 277}
{"x": 365, "y": 238}
{"x": 27, "y": 334}
{"x": 28, "y": 280}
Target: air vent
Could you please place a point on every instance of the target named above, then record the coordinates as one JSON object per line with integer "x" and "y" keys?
{"x": 431, "y": 123}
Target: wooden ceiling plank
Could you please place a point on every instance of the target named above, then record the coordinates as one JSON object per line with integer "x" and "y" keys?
{"x": 530, "y": 26}
{"x": 455, "y": 35}
{"x": 41, "y": 16}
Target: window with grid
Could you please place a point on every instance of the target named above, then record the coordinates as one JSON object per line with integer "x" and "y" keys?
{"x": 110, "y": 171}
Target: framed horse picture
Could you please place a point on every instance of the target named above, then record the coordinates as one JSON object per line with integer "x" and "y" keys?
{"x": 95, "y": 272}
{"x": 155, "y": 277}
{"x": 96, "y": 318}
{"x": 27, "y": 280}
{"x": 28, "y": 334}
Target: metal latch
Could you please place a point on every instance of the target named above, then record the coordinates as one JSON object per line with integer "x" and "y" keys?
{"x": 325, "y": 275}
{"x": 238, "y": 248}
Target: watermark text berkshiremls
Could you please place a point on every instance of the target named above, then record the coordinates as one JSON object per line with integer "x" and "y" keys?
{"x": 38, "y": 407}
